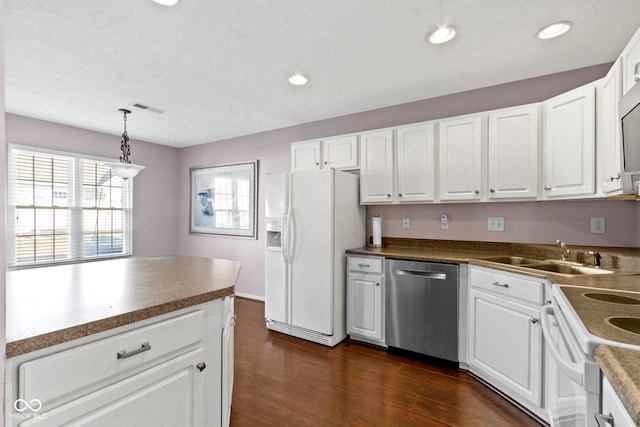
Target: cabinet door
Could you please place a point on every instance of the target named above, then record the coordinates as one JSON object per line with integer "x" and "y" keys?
{"x": 415, "y": 163}
{"x": 305, "y": 155}
{"x": 376, "y": 167}
{"x": 569, "y": 144}
{"x": 365, "y": 306}
{"x": 609, "y": 142}
{"x": 169, "y": 394}
{"x": 505, "y": 345}
{"x": 631, "y": 62}
{"x": 340, "y": 152}
{"x": 460, "y": 145}
{"x": 513, "y": 153}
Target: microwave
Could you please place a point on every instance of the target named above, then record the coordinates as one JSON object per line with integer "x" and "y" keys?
{"x": 629, "y": 111}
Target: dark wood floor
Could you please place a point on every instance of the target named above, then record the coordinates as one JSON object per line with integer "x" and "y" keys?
{"x": 284, "y": 381}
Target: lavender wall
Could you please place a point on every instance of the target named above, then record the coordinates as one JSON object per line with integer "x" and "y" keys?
{"x": 155, "y": 191}
{"x": 533, "y": 222}
{"x": 541, "y": 222}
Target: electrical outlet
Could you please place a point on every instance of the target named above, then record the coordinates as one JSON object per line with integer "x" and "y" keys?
{"x": 444, "y": 222}
{"x": 406, "y": 223}
{"x": 495, "y": 223}
{"x": 598, "y": 225}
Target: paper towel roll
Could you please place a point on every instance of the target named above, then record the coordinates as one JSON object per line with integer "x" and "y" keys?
{"x": 377, "y": 231}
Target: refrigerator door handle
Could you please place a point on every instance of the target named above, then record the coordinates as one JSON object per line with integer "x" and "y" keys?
{"x": 291, "y": 241}
{"x": 284, "y": 240}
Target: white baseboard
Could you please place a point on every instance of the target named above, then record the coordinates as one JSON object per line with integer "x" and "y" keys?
{"x": 249, "y": 296}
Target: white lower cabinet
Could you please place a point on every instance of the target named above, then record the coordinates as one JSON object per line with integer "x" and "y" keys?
{"x": 504, "y": 335}
{"x": 615, "y": 414}
{"x": 365, "y": 304}
{"x": 170, "y": 370}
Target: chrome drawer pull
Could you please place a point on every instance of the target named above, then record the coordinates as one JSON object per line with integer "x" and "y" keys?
{"x": 502, "y": 285}
{"x": 364, "y": 265}
{"x": 123, "y": 354}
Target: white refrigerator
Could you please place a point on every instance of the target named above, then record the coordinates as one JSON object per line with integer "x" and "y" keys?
{"x": 312, "y": 218}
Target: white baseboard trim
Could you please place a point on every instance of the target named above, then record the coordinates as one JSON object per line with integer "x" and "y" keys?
{"x": 249, "y": 296}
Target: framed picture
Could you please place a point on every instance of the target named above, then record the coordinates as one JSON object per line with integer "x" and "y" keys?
{"x": 223, "y": 199}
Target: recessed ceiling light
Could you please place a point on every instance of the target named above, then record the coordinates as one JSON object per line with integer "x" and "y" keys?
{"x": 167, "y": 2}
{"x": 553, "y": 30}
{"x": 298, "y": 79}
{"x": 441, "y": 35}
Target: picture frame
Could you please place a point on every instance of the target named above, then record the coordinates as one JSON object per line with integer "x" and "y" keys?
{"x": 223, "y": 199}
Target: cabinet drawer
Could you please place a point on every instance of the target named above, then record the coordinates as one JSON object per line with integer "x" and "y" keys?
{"x": 55, "y": 375}
{"x": 514, "y": 287}
{"x": 365, "y": 264}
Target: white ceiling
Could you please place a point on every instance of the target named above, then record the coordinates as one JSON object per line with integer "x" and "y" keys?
{"x": 219, "y": 68}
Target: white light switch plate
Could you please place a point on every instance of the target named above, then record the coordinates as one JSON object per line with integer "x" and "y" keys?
{"x": 598, "y": 225}
{"x": 406, "y": 223}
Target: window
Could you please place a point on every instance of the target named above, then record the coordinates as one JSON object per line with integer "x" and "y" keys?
{"x": 64, "y": 207}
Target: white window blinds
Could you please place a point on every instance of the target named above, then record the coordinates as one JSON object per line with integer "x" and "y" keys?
{"x": 65, "y": 207}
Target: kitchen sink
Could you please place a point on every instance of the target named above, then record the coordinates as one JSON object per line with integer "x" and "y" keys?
{"x": 550, "y": 265}
{"x": 570, "y": 269}
{"x": 629, "y": 324}
{"x": 513, "y": 260}
{"x": 612, "y": 298}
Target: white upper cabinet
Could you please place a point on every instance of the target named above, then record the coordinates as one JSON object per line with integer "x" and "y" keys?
{"x": 513, "y": 165}
{"x": 306, "y": 155}
{"x": 340, "y": 152}
{"x": 569, "y": 144}
{"x": 631, "y": 62}
{"x": 460, "y": 158}
{"x": 376, "y": 167}
{"x": 415, "y": 166}
{"x": 401, "y": 171}
{"x": 609, "y": 144}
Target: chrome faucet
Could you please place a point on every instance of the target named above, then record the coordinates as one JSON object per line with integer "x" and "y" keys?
{"x": 565, "y": 250}
{"x": 596, "y": 258}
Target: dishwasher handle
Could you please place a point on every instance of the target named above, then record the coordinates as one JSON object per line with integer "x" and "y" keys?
{"x": 421, "y": 274}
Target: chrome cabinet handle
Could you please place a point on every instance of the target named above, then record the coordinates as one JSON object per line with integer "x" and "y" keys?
{"x": 325, "y": 162}
{"x": 491, "y": 190}
{"x": 615, "y": 178}
{"x": 123, "y": 354}
{"x": 364, "y": 265}
{"x": 533, "y": 320}
{"x": 502, "y": 285}
{"x": 547, "y": 188}
{"x": 605, "y": 420}
{"x": 317, "y": 163}
{"x": 201, "y": 366}
{"x": 377, "y": 284}
{"x": 399, "y": 194}
{"x": 388, "y": 195}
{"x": 476, "y": 192}
{"x": 636, "y": 75}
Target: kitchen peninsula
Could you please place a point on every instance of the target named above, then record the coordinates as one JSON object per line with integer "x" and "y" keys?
{"x": 115, "y": 340}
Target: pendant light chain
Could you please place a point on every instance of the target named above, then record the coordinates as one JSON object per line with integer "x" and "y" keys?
{"x": 124, "y": 144}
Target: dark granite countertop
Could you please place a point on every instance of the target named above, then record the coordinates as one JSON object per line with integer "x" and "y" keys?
{"x": 52, "y": 305}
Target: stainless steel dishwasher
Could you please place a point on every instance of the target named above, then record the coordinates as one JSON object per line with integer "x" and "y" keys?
{"x": 421, "y": 308}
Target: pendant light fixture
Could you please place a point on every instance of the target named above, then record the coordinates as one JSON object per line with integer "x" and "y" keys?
{"x": 124, "y": 169}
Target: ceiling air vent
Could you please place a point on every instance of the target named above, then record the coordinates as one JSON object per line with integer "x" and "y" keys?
{"x": 148, "y": 108}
